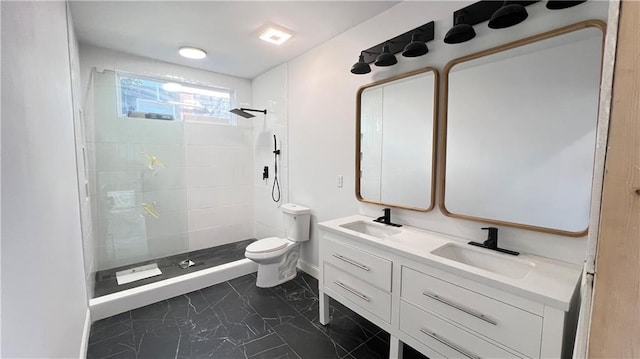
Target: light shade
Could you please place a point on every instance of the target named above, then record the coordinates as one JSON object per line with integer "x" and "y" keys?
{"x": 508, "y": 15}
{"x": 192, "y": 52}
{"x": 460, "y": 32}
{"x": 562, "y": 4}
{"x": 386, "y": 58}
{"x": 360, "y": 67}
{"x": 415, "y": 48}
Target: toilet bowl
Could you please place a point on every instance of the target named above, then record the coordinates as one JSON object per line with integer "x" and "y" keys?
{"x": 277, "y": 257}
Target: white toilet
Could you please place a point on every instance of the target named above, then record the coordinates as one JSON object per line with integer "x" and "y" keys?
{"x": 277, "y": 257}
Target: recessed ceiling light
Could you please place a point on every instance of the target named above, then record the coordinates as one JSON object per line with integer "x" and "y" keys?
{"x": 192, "y": 52}
{"x": 275, "y": 36}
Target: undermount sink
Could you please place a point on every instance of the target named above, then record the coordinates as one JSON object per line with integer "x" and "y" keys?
{"x": 372, "y": 229}
{"x": 482, "y": 259}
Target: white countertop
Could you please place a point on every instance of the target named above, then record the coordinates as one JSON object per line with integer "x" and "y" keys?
{"x": 550, "y": 282}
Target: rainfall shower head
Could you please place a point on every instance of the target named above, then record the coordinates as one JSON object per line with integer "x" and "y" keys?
{"x": 243, "y": 112}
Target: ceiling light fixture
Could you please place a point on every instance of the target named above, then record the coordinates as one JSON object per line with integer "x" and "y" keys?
{"x": 192, "y": 52}
{"x": 275, "y": 36}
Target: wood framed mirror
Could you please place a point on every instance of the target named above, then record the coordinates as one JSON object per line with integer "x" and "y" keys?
{"x": 395, "y": 140}
{"x": 520, "y": 131}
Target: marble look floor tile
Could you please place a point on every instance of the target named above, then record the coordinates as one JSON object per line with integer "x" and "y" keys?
{"x": 216, "y": 293}
{"x": 299, "y": 298}
{"x": 159, "y": 310}
{"x": 129, "y": 354}
{"x": 307, "y": 281}
{"x": 188, "y": 305}
{"x": 117, "y": 344}
{"x": 374, "y": 348}
{"x": 344, "y": 330}
{"x": 239, "y": 320}
{"x": 268, "y": 305}
{"x": 307, "y": 341}
{"x": 410, "y": 353}
{"x": 105, "y": 332}
{"x": 157, "y": 347}
{"x": 268, "y": 346}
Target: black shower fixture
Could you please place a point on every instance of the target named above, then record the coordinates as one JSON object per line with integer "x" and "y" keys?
{"x": 411, "y": 44}
{"x": 511, "y": 13}
{"x": 243, "y": 112}
{"x": 460, "y": 32}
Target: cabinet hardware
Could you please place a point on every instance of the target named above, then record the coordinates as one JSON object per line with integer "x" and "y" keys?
{"x": 352, "y": 262}
{"x": 449, "y": 344}
{"x": 460, "y": 307}
{"x": 353, "y": 291}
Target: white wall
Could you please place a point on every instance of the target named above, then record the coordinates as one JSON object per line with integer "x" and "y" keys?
{"x": 214, "y": 162}
{"x": 43, "y": 286}
{"x": 322, "y": 106}
{"x": 269, "y": 91}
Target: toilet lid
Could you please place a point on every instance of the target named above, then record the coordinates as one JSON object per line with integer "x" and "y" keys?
{"x": 267, "y": 245}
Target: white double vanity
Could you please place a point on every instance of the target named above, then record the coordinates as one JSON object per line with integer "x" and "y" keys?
{"x": 444, "y": 297}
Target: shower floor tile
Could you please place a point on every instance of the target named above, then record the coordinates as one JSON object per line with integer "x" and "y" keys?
{"x": 106, "y": 282}
{"x": 235, "y": 319}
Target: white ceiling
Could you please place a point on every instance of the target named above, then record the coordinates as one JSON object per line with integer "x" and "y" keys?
{"x": 227, "y": 30}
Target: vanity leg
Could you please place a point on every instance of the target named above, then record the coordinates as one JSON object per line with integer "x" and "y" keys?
{"x": 324, "y": 308}
{"x": 395, "y": 348}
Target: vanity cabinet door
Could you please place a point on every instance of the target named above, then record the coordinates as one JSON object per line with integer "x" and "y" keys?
{"x": 444, "y": 337}
{"x": 361, "y": 264}
{"x": 496, "y": 320}
{"x": 362, "y": 294}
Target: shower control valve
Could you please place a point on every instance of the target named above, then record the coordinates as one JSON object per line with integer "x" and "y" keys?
{"x": 265, "y": 172}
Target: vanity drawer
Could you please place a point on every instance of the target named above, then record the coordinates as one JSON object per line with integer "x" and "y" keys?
{"x": 362, "y": 294}
{"x": 501, "y": 322}
{"x": 444, "y": 337}
{"x": 366, "y": 266}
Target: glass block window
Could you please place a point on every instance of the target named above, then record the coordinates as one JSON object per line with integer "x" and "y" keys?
{"x": 146, "y": 97}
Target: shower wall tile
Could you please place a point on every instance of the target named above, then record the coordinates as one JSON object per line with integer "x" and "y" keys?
{"x": 199, "y": 177}
{"x": 214, "y": 196}
{"x": 218, "y": 216}
{"x": 168, "y": 178}
{"x": 270, "y": 91}
{"x": 220, "y": 135}
{"x": 167, "y": 200}
{"x": 212, "y": 237}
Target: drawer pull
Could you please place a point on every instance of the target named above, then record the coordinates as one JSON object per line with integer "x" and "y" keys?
{"x": 352, "y": 262}
{"x": 353, "y": 291}
{"x": 460, "y": 307}
{"x": 449, "y": 344}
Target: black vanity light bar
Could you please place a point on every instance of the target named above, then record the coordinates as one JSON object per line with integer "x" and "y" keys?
{"x": 423, "y": 33}
{"x": 482, "y": 10}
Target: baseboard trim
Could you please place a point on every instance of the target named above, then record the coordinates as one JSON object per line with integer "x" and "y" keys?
{"x": 84, "y": 344}
{"x": 309, "y": 269}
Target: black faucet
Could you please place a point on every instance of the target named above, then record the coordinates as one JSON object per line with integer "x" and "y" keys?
{"x": 492, "y": 242}
{"x": 386, "y": 219}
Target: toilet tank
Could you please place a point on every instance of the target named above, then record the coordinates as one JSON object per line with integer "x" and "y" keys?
{"x": 296, "y": 222}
